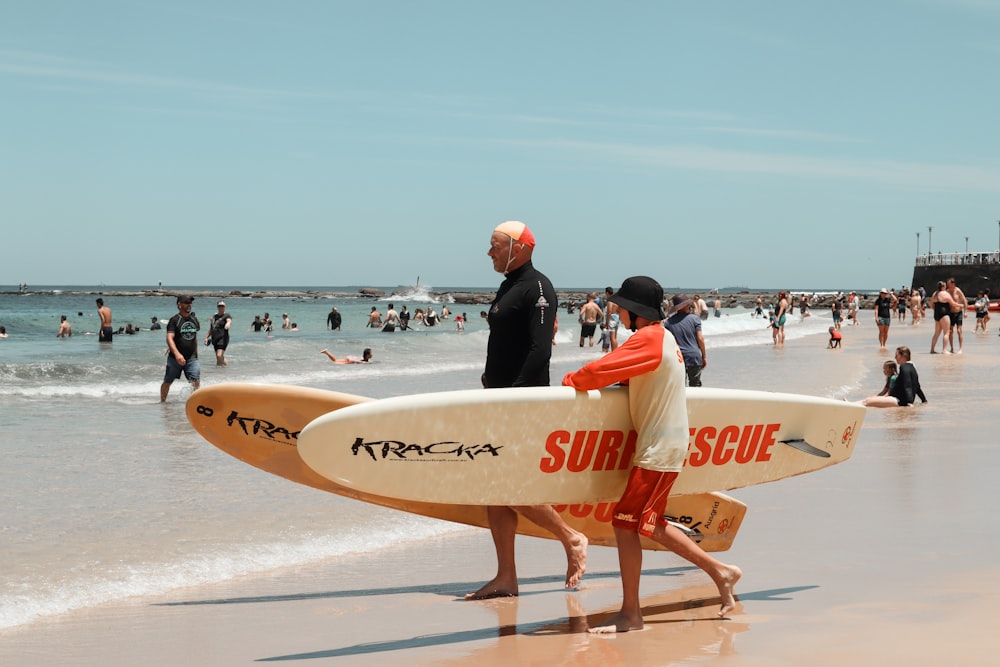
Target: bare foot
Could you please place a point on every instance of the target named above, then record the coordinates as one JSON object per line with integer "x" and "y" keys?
{"x": 577, "y": 561}
{"x": 730, "y": 575}
{"x": 618, "y": 623}
{"x": 494, "y": 589}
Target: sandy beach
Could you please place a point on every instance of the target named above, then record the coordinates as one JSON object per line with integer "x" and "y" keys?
{"x": 889, "y": 558}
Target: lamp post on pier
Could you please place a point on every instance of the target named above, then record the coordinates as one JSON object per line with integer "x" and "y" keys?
{"x": 918, "y": 244}
{"x": 929, "y": 241}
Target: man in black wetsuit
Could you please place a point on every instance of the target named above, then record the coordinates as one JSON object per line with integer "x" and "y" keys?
{"x": 521, "y": 321}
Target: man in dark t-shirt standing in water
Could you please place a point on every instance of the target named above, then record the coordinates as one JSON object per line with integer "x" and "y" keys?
{"x": 521, "y": 320}
{"x": 182, "y": 347}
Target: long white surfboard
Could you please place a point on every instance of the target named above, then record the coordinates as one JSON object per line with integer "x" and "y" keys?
{"x": 555, "y": 445}
{"x": 260, "y": 425}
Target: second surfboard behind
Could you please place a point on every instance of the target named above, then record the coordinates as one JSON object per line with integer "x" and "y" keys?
{"x": 260, "y": 424}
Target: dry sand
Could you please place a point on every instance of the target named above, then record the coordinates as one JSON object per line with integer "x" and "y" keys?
{"x": 888, "y": 559}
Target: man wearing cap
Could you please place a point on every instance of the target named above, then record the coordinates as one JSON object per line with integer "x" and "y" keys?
{"x": 521, "y": 320}
{"x": 218, "y": 333}
{"x": 686, "y": 328}
{"x": 885, "y": 304}
{"x": 182, "y": 347}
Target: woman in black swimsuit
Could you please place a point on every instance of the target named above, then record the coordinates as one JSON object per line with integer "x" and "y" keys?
{"x": 941, "y": 301}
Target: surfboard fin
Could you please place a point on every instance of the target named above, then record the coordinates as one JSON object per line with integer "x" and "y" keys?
{"x": 806, "y": 448}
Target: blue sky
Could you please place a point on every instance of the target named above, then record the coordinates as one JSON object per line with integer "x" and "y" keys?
{"x": 769, "y": 144}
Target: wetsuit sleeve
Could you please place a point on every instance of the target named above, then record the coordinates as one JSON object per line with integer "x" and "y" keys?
{"x": 636, "y": 356}
{"x": 916, "y": 388}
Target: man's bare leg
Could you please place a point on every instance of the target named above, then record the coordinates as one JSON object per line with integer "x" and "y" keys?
{"x": 503, "y": 526}
{"x": 724, "y": 576}
{"x": 574, "y": 542}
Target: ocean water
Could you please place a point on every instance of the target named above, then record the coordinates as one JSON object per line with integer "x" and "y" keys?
{"x": 107, "y": 494}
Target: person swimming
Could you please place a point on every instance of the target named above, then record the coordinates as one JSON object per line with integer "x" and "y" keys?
{"x": 366, "y": 356}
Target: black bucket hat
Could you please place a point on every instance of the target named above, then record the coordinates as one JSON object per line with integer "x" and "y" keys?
{"x": 640, "y": 295}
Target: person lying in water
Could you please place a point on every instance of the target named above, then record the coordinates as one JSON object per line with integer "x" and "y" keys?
{"x": 366, "y": 356}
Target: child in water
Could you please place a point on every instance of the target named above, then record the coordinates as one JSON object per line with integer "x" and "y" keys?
{"x": 835, "y": 338}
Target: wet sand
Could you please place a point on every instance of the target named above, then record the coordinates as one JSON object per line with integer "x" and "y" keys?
{"x": 891, "y": 558}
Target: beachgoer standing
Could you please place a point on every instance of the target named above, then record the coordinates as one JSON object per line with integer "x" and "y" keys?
{"x": 182, "y": 347}
{"x": 941, "y": 303}
{"x": 700, "y": 307}
{"x": 374, "y": 318}
{"x": 391, "y": 320}
{"x": 780, "y": 316}
{"x": 837, "y": 310}
{"x": 106, "y": 332}
{"x": 611, "y": 319}
{"x": 916, "y": 306}
{"x": 982, "y": 308}
{"x": 517, "y": 355}
{"x": 65, "y": 328}
{"x": 956, "y": 315}
{"x": 218, "y": 333}
{"x": 590, "y": 315}
{"x": 333, "y": 320}
{"x": 884, "y": 305}
{"x": 686, "y": 329}
{"x": 650, "y": 362}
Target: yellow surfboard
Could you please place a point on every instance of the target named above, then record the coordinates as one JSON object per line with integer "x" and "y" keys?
{"x": 260, "y": 424}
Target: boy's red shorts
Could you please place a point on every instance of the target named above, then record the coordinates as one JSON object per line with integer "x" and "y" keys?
{"x": 644, "y": 502}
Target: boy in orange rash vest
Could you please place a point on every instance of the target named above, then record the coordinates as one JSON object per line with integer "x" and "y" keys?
{"x": 652, "y": 365}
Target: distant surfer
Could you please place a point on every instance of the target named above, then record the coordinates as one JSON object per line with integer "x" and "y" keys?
{"x": 365, "y": 357}
{"x": 652, "y": 364}
{"x": 518, "y": 351}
